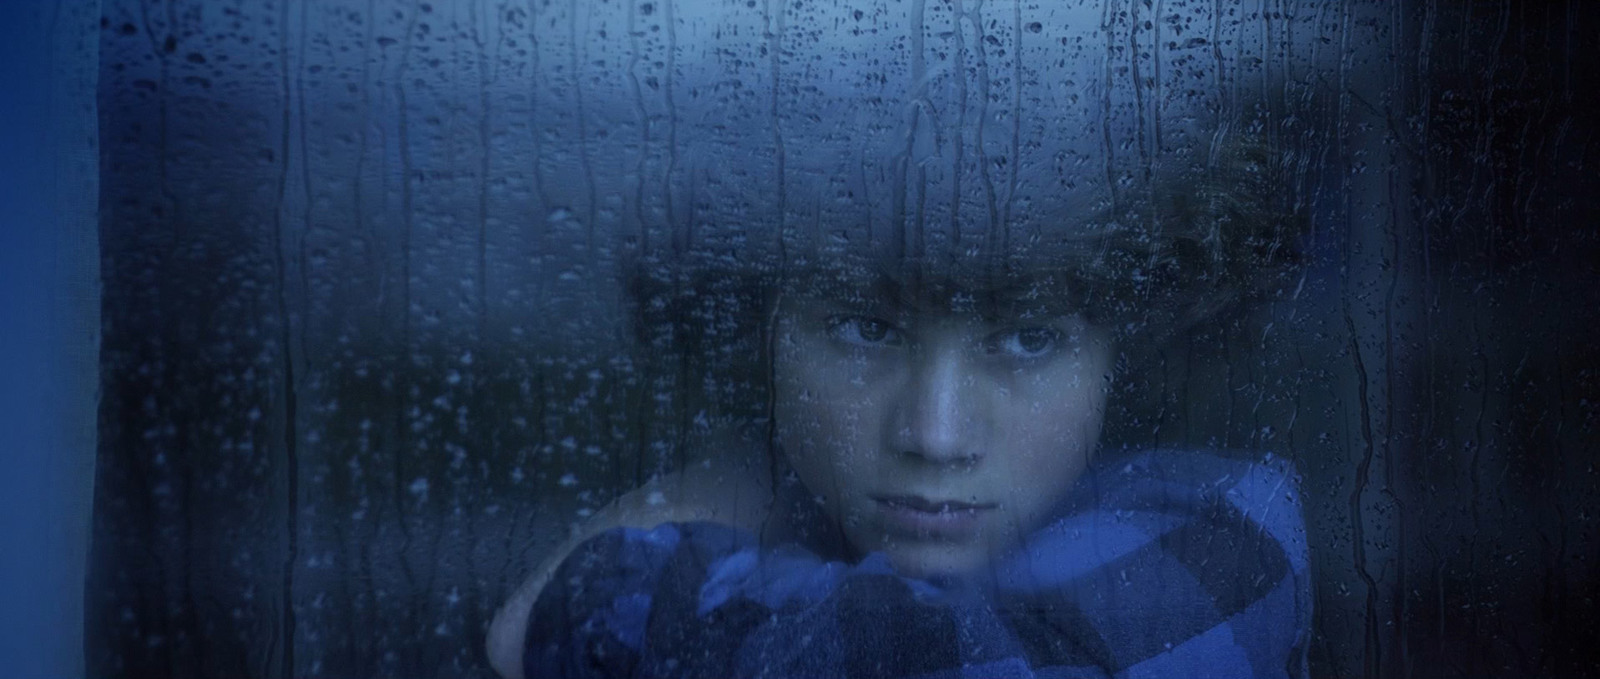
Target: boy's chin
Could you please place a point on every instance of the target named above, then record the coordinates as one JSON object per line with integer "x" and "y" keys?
{"x": 932, "y": 559}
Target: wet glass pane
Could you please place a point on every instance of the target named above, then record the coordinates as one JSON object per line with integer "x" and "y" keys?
{"x": 1112, "y": 336}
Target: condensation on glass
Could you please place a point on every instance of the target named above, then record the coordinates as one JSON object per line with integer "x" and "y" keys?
{"x": 370, "y": 349}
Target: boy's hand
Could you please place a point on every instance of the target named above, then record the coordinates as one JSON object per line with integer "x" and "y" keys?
{"x": 732, "y": 489}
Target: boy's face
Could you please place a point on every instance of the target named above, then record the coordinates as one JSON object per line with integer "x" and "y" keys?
{"x": 939, "y": 430}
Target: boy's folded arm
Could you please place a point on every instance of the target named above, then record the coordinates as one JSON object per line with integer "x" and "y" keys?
{"x": 770, "y": 609}
{"x": 728, "y": 490}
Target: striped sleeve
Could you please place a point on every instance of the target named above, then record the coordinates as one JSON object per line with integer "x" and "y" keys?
{"x": 623, "y": 604}
{"x": 1175, "y": 564}
{"x": 1163, "y": 564}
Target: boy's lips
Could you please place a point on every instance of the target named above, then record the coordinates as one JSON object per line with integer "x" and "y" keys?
{"x": 922, "y": 504}
{"x": 920, "y": 517}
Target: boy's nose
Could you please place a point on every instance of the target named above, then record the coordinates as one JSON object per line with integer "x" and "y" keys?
{"x": 940, "y": 413}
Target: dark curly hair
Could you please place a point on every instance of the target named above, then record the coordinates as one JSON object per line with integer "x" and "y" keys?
{"x": 1174, "y": 246}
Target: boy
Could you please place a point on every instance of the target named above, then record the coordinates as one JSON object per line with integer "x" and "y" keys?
{"x": 931, "y": 427}
{"x": 925, "y": 499}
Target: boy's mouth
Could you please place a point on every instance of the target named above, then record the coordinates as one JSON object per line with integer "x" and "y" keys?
{"x": 922, "y": 504}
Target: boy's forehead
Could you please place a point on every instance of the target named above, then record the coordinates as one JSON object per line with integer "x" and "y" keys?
{"x": 955, "y": 286}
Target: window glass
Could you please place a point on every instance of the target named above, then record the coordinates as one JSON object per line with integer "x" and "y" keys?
{"x": 402, "y": 296}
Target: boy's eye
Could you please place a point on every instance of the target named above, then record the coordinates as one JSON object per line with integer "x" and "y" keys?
{"x": 1025, "y": 342}
{"x": 864, "y": 331}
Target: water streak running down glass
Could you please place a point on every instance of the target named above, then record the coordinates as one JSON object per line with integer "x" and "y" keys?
{"x": 404, "y": 300}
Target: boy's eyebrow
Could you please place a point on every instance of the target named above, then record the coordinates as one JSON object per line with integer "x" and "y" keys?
{"x": 1017, "y": 296}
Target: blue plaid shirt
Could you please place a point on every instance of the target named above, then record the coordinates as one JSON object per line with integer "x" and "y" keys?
{"x": 1161, "y": 564}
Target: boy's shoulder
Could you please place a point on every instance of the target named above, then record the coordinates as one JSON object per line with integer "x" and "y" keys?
{"x": 1213, "y": 499}
{"x": 1263, "y": 487}
{"x": 1214, "y": 540}
{"x": 1252, "y": 482}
